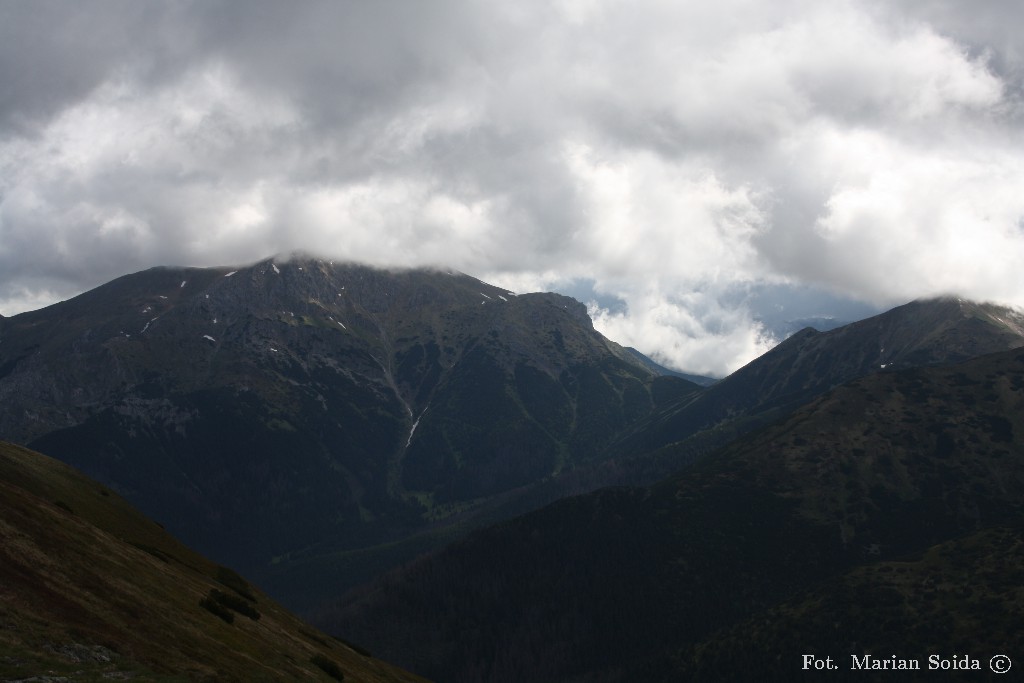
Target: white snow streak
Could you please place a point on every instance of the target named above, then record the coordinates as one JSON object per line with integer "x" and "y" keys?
{"x": 413, "y": 430}
{"x": 231, "y": 273}
{"x": 206, "y": 336}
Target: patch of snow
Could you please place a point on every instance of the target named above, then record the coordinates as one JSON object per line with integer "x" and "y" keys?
{"x": 273, "y": 349}
{"x": 413, "y": 430}
{"x": 300, "y": 267}
{"x": 214, "y": 321}
{"x": 502, "y": 298}
{"x": 276, "y": 269}
{"x": 162, "y": 296}
{"x": 207, "y": 296}
{"x": 882, "y": 366}
{"x": 206, "y": 336}
{"x": 183, "y": 284}
{"x": 342, "y": 324}
{"x": 231, "y": 273}
{"x": 485, "y": 296}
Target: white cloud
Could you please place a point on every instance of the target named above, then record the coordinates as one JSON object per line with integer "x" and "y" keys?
{"x": 671, "y": 153}
{"x": 694, "y": 333}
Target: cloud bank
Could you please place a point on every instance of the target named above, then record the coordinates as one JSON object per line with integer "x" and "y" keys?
{"x": 672, "y": 155}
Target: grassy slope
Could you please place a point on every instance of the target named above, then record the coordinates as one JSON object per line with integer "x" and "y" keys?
{"x": 85, "y": 577}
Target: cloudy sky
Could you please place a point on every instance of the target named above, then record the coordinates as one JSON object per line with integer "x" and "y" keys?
{"x": 696, "y": 171}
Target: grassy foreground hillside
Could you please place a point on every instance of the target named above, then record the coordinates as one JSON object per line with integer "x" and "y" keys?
{"x": 92, "y": 590}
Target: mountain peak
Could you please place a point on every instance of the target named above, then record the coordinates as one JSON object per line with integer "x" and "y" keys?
{"x": 327, "y": 401}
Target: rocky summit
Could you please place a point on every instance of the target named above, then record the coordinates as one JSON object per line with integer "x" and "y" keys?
{"x": 300, "y": 406}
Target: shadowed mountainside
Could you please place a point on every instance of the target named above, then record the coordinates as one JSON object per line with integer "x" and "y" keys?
{"x": 298, "y": 408}
{"x": 91, "y": 590}
{"x": 853, "y": 526}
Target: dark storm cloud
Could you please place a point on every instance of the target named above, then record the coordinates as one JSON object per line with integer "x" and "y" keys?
{"x": 53, "y": 53}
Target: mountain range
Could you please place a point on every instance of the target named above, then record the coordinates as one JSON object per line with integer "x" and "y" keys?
{"x": 313, "y": 424}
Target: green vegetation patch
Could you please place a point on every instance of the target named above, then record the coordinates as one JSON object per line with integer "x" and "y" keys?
{"x": 329, "y": 666}
{"x": 231, "y": 579}
{"x": 223, "y": 604}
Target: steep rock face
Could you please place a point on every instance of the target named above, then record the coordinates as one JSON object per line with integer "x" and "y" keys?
{"x": 835, "y": 531}
{"x": 260, "y": 410}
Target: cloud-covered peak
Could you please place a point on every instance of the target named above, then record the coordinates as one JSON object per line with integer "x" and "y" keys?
{"x": 670, "y": 153}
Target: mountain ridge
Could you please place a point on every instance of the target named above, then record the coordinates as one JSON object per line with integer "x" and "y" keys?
{"x": 919, "y": 333}
{"x": 315, "y": 422}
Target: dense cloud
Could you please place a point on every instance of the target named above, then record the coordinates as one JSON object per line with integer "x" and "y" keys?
{"x": 672, "y": 155}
